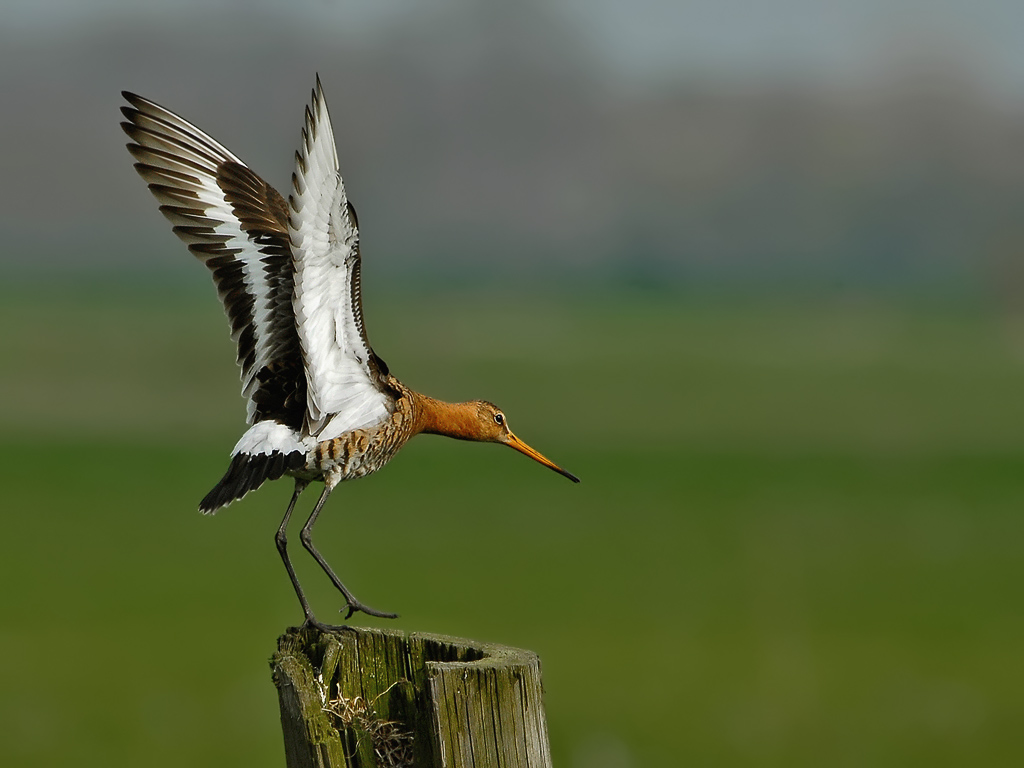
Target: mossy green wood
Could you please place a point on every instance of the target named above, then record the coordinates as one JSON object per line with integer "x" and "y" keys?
{"x": 363, "y": 698}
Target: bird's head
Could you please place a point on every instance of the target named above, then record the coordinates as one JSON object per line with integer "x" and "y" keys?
{"x": 491, "y": 426}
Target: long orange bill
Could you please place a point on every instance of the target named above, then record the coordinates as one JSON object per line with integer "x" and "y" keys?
{"x": 522, "y": 447}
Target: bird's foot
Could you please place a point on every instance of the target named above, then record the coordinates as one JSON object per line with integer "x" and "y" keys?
{"x": 354, "y": 605}
{"x": 311, "y": 622}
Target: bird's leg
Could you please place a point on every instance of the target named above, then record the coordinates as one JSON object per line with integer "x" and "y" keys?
{"x": 281, "y": 539}
{"x": 307, "y": 541}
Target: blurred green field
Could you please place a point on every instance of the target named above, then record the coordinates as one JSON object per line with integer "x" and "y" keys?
{"x": 798, "y": 539}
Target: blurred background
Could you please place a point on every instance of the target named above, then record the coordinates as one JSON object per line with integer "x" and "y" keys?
{"x": 753, "y": 271}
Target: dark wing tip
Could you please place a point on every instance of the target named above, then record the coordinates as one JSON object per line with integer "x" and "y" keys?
{"x": 138, "y": 102}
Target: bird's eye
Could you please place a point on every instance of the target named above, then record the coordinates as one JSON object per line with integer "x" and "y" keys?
{"x": 499, "y": 419}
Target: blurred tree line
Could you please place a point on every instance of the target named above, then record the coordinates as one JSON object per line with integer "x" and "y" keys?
{"x": 478, "y": 139}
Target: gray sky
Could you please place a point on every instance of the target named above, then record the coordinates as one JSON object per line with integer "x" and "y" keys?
{"x": 852, "y": 140}
{"x": 836, "y": 40}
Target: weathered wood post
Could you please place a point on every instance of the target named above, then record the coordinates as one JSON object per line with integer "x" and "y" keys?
{"x": 363, "y": 698}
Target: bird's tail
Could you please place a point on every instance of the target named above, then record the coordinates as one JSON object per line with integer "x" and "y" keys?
{"x": 266, "y": 451}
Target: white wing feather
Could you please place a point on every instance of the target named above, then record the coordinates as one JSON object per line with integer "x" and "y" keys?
{"x": 342, "y": 393}
{"x": 181, "y": 162}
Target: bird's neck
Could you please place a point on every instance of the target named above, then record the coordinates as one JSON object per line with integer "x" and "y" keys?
{"x": 437, "y": 417}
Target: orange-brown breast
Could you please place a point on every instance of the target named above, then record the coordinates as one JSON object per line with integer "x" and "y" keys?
{"x": 363, "y": 451}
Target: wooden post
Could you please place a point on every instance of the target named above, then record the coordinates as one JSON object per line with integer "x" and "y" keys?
{"x": 363, "y": 698}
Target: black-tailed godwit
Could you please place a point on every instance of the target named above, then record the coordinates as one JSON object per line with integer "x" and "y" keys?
{"x": 321, "y": 404}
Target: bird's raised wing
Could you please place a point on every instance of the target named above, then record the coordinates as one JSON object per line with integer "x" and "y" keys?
{"x": 237, "y": 225}
{"x": 346, "y": 381}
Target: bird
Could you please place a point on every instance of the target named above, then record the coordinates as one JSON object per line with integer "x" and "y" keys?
{"x": 321, "y": 405}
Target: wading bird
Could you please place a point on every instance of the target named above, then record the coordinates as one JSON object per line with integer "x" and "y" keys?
{"x": 321, "y": 404}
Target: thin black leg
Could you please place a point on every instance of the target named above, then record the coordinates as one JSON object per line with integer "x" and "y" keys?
{"x": 281, "y": 539}
{"x": 307, "y": 541}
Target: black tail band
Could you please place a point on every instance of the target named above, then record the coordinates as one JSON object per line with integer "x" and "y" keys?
{"x": 247, "y": 472}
